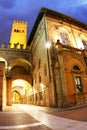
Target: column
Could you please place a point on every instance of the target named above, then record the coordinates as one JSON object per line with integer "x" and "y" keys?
{"x": 2, "y": 77}
{"x": 9, "y": 90}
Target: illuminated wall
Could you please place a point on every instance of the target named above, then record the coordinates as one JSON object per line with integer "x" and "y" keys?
{"x": 68, "y": 34}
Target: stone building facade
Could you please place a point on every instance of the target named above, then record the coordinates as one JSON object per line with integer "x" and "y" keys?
{"x": 59, "y": 48}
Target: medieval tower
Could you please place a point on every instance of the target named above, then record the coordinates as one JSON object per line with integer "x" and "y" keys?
{"x": 18, "y": 34}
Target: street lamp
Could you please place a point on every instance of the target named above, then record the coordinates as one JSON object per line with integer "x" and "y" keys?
{"x": 48, "y": 45}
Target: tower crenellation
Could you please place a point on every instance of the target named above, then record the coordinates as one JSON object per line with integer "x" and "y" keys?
{"x": 21, "y": 22}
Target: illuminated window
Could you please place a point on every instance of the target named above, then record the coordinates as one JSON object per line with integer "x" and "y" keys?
{"x": 78, "y": 84}
{"x": 64, "y": 38}
{"x": 84, "y": 44}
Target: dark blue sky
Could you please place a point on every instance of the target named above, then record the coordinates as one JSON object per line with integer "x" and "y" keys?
{"x": 28, "y": 10}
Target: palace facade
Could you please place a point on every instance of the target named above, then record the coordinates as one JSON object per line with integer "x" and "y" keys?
{"x": 59, "y": 48}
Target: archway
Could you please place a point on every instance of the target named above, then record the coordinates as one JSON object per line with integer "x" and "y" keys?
{"x": 21, "y": 91}
{"x": 16, "y": 97}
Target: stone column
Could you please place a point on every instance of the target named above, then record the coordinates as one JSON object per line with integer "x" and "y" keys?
{"x": 9, "y": 90}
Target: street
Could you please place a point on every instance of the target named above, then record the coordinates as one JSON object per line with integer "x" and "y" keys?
{"x": 27, "y": 117}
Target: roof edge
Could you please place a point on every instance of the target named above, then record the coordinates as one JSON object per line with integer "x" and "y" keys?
{"x": 56, "y": 15}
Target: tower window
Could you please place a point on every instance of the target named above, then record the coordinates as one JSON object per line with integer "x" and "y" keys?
{"x": 17, "y": 30}
{"x": 14, "y": 30}
{"x": 22, "y": 30}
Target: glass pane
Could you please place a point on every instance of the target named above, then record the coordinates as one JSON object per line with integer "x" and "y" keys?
{"x": 78, "y": 84}
{"x": 64, "y": 38}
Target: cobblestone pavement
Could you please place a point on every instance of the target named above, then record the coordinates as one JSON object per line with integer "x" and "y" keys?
{"x": 29, "y": 117}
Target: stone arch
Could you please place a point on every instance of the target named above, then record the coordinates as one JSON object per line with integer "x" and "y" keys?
{"x": 2, "y": 59}
{"x": 71, "y": 61}
{"x": 23, "y": 89}
{"x": 65, "y": 29}
{"x": 20, "y": 65}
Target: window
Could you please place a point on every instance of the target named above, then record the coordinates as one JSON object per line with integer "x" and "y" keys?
{"x": 39, "y": 78}
{"x": 40, "y": 94}
{"x": 78, "y": 84}
{"x": 22, "y": 30}
{"x": 14, "y": 30}
{"x": 39, "y": 64}
{"x": 84, "y": 44}
{"x": 17, "y": 30}
{"x": 75, "y": 67}
{"x": 45, "y": 70}
{"x": 64, "y": 38}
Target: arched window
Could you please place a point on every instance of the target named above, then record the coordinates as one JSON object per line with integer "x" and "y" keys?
{"x": 14, "y": 30}
{"x": 64, "y": 38}
{"x": 75, "y": 67}
{"x": 17, "y": 30}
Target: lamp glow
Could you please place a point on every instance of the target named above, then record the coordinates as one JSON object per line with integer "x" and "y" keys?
{"x": 48, "y": 44}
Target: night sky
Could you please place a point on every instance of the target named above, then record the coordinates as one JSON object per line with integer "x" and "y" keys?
{"x": 27, "y": 10}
